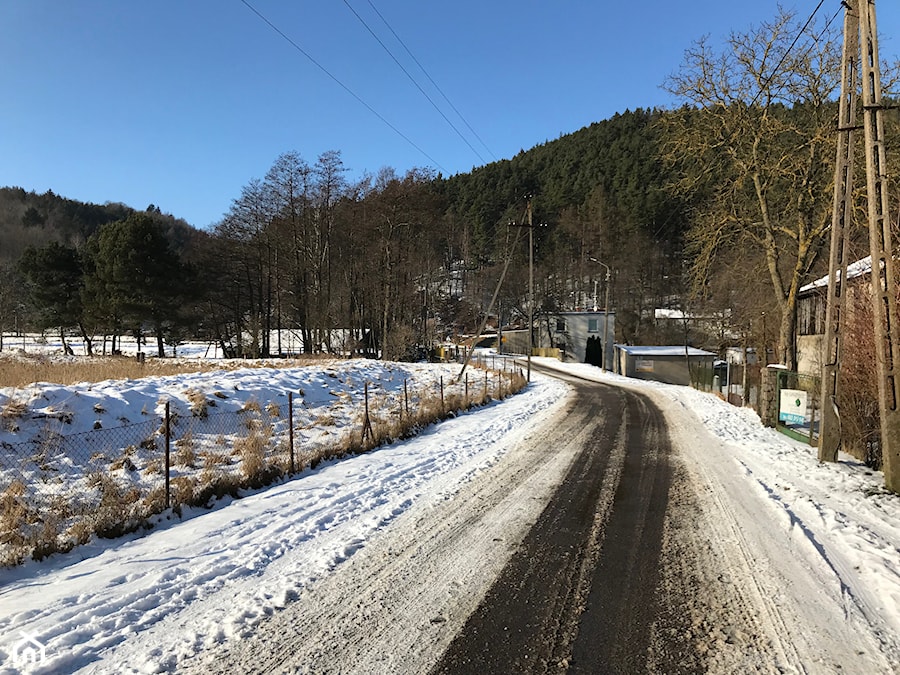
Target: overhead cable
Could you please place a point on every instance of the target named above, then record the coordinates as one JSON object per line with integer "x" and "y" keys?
{"x": 784, "y": 56}
{"x": 412, "y": 79}
{"x": 430, "y": 79}
{"x": 340, "y": 84}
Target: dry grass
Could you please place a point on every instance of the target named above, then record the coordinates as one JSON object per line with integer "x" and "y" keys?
{"x": 215, "y": 459}
{"x": 11, "y": 412}
{"x": 199, "y": 405}
{"x": 109, "y": 506}
{"x": 251, "y": 406}
{"x": 26, "y": 369}
{"x": 182, "y": 490}
{"x": 325, "y": 420}
{"x": 252, "y": 449}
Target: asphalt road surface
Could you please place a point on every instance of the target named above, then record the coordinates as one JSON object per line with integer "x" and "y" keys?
{"x": 581, "y": 593}
{"x": 615, "y": 535}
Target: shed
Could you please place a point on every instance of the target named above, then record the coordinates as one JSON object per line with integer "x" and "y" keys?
{"x": 672, "y": 364}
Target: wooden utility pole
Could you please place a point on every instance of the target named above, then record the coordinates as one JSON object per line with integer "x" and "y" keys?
{"x": 530, "y": 227}
{"x": 861, "y": 14}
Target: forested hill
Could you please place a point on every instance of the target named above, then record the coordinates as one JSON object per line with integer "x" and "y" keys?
{"x": 610, "y": 167}
{"x": 31, "y": 219}
{"x": 288, "y": 251}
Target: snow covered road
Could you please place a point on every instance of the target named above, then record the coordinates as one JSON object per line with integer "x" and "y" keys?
{"x": 372, "y": 564}
{"x": 147, "y": 604}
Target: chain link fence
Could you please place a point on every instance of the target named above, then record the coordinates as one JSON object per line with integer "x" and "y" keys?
{"x": 57, "y": 491}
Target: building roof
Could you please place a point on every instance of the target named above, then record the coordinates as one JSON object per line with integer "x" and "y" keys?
{"x": 587, "y": 312}
{"x": 665, "y": 350}
{"x": 854, "y": 270}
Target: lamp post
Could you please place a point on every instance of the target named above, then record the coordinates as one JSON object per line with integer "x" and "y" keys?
{"x": 605, "y": 313}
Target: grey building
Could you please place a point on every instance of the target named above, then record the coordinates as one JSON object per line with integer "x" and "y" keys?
{"x": 671, "y": 364}
{"x": 585, "y": 337}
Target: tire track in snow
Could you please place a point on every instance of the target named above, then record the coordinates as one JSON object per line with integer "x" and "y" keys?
{"x": 777, "y": 587}
{"x": 395, "y": 606}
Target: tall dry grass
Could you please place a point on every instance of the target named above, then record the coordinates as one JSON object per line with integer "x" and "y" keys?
{"x": 252, "y": 458}
{"x": 21, "y": 370}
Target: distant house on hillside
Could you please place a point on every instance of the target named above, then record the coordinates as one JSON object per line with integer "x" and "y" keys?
{"x": 676, "y": 322}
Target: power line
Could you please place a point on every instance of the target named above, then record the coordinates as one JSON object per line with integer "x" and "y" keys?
{"x": 787, "y": 51}
{"x": 412, "y": 79}
{"x": 339, "y": 83}
{"x": 430, "y": 79}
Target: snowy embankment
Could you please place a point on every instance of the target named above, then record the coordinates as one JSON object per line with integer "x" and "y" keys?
{"x": 89, "y": 458}
{"x": 211, "y": 577}
{"x": 151, "y": 603}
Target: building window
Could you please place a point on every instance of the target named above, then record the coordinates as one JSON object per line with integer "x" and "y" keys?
{"x": 560, "y": 325}
{"x": 593, "y": 325}
{"x": 811, "y": 314}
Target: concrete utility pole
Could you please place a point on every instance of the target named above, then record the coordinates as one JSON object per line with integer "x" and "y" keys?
{"x": 829, "y": 426}
{"x": 528, "y": 214}
{"x": 884, "y": 289}
{"x": 529, "y": 223}
{"x": 861, "y": 13}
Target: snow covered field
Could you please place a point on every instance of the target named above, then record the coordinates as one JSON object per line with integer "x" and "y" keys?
{"x": 155, "y": 603}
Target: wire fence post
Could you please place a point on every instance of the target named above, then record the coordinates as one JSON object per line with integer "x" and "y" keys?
{"x": 291, "y": 427}
{"x": 168, "y": 427}
{"x": 405, "y": 396}
{"x": 466, "y": 401}
{"x": 442, "y": 394}
{"x": 367, "y": 423}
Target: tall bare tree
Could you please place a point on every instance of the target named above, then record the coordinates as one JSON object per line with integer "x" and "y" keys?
{"x": 247, "y": 227}
{"x": 755, "y": 142}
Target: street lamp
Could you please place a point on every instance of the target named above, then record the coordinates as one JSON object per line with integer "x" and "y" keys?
{"x": 605, "y": 313}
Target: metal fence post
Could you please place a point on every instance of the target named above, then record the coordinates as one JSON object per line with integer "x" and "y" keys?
{"x": 291, "y": 427}
{"x": 442, "y": 394}
{"x": 168, "y": 427}
{"x": 367, "y": 423}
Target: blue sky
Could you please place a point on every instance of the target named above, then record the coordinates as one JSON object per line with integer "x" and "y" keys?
{"x": 180, "y": 103}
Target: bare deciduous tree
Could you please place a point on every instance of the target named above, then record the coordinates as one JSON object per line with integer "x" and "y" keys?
{"x": 755, "y": 141}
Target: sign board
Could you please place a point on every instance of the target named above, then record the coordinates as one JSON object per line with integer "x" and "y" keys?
{"x": 792, "y": 406}
{"x": 643, "y": 366}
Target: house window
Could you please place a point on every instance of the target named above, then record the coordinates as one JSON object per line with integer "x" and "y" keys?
{"x": 811, "y": 314}
{"x": 560, "y": 325}
{"x": 593, "y": 325}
